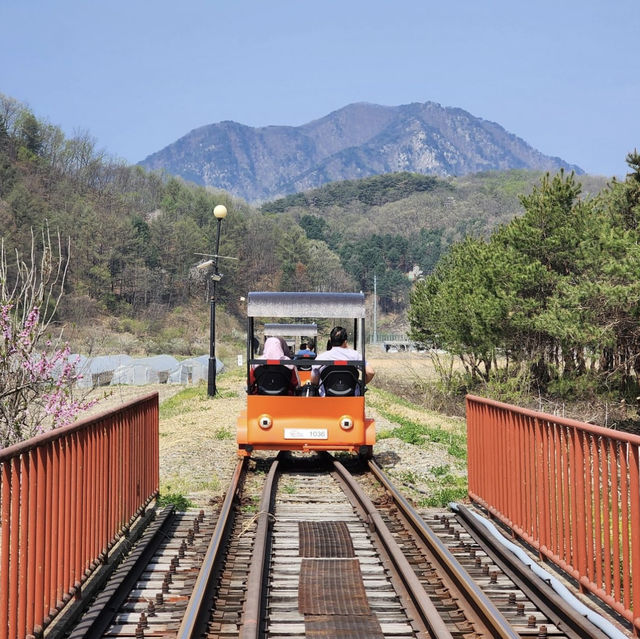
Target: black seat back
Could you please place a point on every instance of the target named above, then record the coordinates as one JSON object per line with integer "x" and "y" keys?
{"x": 339, "y": 381}
{"x": 272, "y": 379}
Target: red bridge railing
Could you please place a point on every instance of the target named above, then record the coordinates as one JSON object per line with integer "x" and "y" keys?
{"x": 65, "y": 497}
{"x": 569, "y": 489}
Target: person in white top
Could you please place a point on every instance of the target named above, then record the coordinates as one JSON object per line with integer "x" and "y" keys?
{"x": 339, "y": 351}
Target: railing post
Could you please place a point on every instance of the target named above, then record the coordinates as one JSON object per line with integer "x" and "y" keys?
{"x": 538, "y": 514}
{"x": 5, "y": 513}
{"x": 615, "y": 517}
{"x": 626, "y": 551}
{"x": 635, "y": 525}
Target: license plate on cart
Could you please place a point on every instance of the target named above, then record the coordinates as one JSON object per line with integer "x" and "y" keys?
{"x": 306, "y": 433}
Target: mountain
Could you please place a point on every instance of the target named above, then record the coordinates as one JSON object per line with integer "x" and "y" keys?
{"x": 357, "y": 141}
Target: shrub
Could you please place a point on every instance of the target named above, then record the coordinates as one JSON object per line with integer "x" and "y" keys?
{"x": 178, "y": 500}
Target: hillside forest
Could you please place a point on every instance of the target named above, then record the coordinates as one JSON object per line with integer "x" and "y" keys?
{"x": 522, "y": 275}
{"x": 135, "y": 236}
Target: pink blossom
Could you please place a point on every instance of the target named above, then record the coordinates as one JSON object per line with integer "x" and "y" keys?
{"x": 43, "y": 379}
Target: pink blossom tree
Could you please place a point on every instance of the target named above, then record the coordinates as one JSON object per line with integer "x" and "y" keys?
{"x": 37, "y": 378}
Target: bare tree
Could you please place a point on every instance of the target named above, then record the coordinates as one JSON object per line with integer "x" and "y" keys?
{"x": 36, "y": 375}
{"x": 10, "y": 111}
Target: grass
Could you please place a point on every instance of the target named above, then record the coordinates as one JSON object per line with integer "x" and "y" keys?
{"x": 417, "y": 426}
{"x": 445, "y": 494}
{"x": 197, "y": 440}
{"x": 440, "y": 471}
{"x": 226, "y": 394}
{"x": 191, "y": 399}
{"x": 393, "y": 401}
{"x": 251, "y": 506}
{"x": 224, "y": 433}
{"x": 187, "y": 400}
{"x": 440, "y": 485}
{"x": 176, "y": 484}
{"x": 418, "y": 434}
{"x": 387, "y": 397}
{"x": 178, "y": 500}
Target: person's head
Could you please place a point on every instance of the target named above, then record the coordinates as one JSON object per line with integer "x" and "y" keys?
{"x": 273, "y": 349}
{"x": 338, "y": 336}
{"x": 303, "y": 346}
{"x": 286, "y": 349}
{"x": 328, "y": 344}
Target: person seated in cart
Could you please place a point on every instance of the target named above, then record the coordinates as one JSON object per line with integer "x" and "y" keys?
{"x": 339, "y": 351}
{"x": 273, "y": 350}
{"x": 305, "y": 352}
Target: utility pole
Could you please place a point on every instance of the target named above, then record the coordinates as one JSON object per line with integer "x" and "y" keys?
{"x": 374, "y": 340}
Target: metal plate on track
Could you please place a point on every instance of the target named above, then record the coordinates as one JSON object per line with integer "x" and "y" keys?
{"x": 331, "y": 587}
{"x": 325, "y": 539}
{"x": 342, "y": 627}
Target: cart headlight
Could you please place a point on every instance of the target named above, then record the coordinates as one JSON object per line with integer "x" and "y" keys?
{"x": 265, "y": 421}
{"x": 346, "y": 422}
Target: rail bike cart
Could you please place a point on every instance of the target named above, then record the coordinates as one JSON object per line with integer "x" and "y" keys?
{"x": 278, "y": 417}
{"x": 294, "y": 335}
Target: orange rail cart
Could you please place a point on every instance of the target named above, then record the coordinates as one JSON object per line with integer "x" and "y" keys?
{"x": 311, "y": 419}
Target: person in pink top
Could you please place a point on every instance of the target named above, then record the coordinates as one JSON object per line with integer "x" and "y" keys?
{"x": 273, "y": 350}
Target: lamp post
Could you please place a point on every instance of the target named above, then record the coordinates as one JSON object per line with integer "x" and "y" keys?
{"x": 220, "y": 212}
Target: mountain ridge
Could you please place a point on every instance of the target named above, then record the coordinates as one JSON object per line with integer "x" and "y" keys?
{"x": 356, "y": 141}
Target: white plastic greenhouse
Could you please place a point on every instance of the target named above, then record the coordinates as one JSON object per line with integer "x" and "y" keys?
{"x": 98, "y": 371}
{"x": 192, "y": 371}
{"x": 146, "y": 370}
{"x": 124, "y": 369}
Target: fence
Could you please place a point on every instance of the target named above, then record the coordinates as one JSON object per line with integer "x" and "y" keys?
{"x": 65, "y": 497}
{"x": 569, "y": 489}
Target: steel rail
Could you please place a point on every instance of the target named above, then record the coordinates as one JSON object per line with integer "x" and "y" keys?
{"x": 250, "y": 628}
{"x": 484, "y": 611}
{"x": 423, "y": 605}
{"x": 197, "y": 611}
{"x": 548, "y": 601}
{"x": 96, "y": 621}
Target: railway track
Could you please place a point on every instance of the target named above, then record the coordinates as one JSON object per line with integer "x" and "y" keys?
{"x": 465, "y": 560}
{"x": 148, "y": 594}
{"x": 330, "y": 553}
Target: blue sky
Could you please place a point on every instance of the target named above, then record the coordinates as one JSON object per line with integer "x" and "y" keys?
{"x": 562, "y": 75}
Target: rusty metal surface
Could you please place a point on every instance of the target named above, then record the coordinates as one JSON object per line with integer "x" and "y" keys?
{"x": 203, "y": 585}
{"x": 569, "y": 492}
{"x": 425, "y": 610}
{"x": 560, "y": 612}
{"x": 253, "y": 610}
{"x": 478, "y": 608}
{"x": 342, "y": 627}
{"x": 66, "y": 496}
{"x": 325, "y": 539}
{"x": 311, "y": 493}
{"x": 323, "y": 584}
